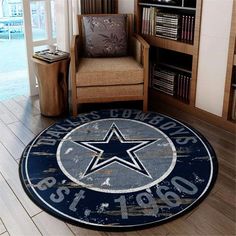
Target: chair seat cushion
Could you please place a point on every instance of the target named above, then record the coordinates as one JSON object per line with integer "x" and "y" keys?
{"x": 108, "y": 71}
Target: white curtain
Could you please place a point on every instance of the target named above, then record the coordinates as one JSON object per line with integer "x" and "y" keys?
{"x": 66, "y": 12}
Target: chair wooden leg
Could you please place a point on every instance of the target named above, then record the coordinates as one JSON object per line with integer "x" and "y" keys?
{"x": 74, "y": 110}
{"x": 145, "y": 105}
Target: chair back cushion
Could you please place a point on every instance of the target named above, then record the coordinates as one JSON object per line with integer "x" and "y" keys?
{"x": 105, "y": 36}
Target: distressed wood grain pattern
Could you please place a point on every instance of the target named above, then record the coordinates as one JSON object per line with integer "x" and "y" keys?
{"x": 6, "y": 116}
{"x": 27, "y": 105}
{"x": 32, "y": 122}
{"x": 13, "y": 214}
{"x": 14, "y": 146}
{"x": 5, "y": 234}
{"x": 52, "y": 80}
{"x": 24, "y": 134}
{"x": 216, "y": 215}
{"x": 52, "y": 227}
{"x": 2, "y": 227}
{"x": 9, "y": 170}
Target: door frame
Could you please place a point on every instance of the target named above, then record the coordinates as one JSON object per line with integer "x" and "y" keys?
{"x": 30, "y": 43}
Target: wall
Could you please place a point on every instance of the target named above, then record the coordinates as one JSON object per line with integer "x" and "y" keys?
{"x": 126, "y": 6}
{"x": 62, "y": 22}
{"x": 213, "y": 55}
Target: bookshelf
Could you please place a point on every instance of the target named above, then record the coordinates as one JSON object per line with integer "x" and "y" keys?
{"x": 229, "y": 109}
{"x": 187, "y": 49}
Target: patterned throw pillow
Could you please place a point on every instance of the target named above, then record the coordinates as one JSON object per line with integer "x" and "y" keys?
{"x": 105, "y": 36}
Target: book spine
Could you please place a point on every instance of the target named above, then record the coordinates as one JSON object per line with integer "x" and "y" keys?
{"x": 164, "y": 77}
{"x": 234, "y": 106}
{"x": 185, "y": 28}
{"x": 189, "y": 28}
{"x": 143, "y": 20}
{"x": 163, "y": 84}
{"x": 187, "y": 89}
{"x": 168, "y": 15}
{"x": 192, "y": 29}
{"x": 167, "y": 91}
{"x": 164, "y": 80}
{"x": 152, "y": 19}
{"x": 147, "y": 21}
{"x": 170, "y": 31}
{"x": 161, "y": 18}
{"x": 182, "y": 28}
{"x": 167, "y": 36}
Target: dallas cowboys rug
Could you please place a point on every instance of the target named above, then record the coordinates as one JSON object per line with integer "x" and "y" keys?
{"x": 118, "y": 169}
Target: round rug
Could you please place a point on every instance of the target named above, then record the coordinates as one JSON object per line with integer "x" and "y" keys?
{"x": 118, "y": 169}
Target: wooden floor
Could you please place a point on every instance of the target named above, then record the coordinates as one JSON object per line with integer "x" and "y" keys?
{"x": 20, "y": 121}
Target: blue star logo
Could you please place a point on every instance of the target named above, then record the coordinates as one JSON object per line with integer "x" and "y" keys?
{"x": 115, "y": 148}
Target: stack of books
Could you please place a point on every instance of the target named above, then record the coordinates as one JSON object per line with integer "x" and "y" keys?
{"x": 171, "y": 82}
{"x": 187, "y": 28}
{"x": 163, "y": 80}
{"x": 148, "y": 21}
{"x": 48, "y": 56}
{"x": 182, "y": 87}
{"x": 168, "y": 25}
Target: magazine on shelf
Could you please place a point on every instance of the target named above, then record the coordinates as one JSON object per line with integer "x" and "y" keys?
{"x": 48, "y": 56}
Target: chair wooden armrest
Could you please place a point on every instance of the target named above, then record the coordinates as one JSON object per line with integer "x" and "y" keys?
{"x": 74, "y": 50}
{"x": 140, "y": 51}
{"x": 141, "y": 40}
{"x": 139, "y": 47}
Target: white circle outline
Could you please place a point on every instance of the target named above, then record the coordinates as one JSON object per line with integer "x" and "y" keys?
{"x": 121, "y": 226}
{"x": 169, "y": 170}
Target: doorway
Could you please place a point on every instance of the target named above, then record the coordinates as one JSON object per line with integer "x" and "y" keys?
{"x": 13, "y": 57}
{"x": 26, "y": 26}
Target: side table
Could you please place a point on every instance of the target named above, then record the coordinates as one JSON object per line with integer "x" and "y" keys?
{"x": 53, "y": 86}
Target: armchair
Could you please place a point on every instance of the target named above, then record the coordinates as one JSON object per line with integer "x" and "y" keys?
{"x": 97, "y": 79}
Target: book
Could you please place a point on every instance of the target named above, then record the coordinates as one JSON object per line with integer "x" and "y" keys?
{"x": 187, "y": 29}
{"x": 163, "y": 20}
{"x": 167, "y": 36}
{"x": 164, "y": 90}
{"x": 167, "y": 28}
{"x": 50, "y": 57}
{"x": 183, "y": 28}
{"x": 234, "y": 106}
{"x": 187, "y": 90}
{"x": 192, "y": 29}
{"x": 163, "y": 84}
{"x": 168, "y": 15}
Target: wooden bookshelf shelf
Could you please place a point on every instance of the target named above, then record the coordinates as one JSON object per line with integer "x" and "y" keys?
{"x": 170, "y": 44}
{"x": 165, "y": 98}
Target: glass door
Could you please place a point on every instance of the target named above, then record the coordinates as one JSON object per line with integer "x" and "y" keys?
{"x": 40, "y": 31}
{"x": 13, "y": 59}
